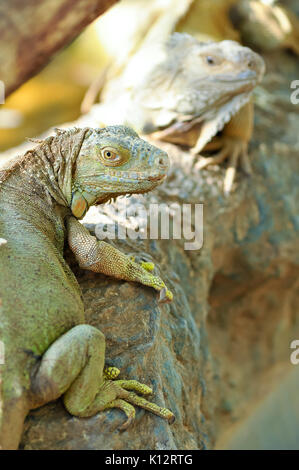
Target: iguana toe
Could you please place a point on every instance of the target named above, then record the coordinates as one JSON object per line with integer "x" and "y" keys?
{"x": 147, "y": 265}
{"x": 111, "y": 373}
{"x": 135, "y": 386}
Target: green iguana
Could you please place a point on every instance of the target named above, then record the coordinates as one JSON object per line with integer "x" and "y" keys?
{"x": 185, "y": 91}
{"x": 49, "y": 350}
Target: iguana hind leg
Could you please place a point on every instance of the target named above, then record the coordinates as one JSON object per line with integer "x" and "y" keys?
{"x": 235, "y": 150}
{"x": 73, "y": 366}
{"x": 232, "y": 145}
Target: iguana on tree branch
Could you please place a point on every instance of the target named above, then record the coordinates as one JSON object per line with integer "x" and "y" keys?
{"x": 49, "y": 351}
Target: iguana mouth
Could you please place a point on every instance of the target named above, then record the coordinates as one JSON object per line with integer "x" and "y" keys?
{"x": 112, "y": 197}
{"x": 157, "y": 178}
{"x": 124, "y": 176}
{"x": 135, "y": 175}
{"x": 244, "y": 81}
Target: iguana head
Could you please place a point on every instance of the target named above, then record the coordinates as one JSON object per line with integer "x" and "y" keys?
{"x": 182, "y": 79}
{"x": 114, "y": 161}
{"x": 225, "y": 62}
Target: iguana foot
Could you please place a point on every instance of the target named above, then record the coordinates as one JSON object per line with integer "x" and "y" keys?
{"x": 126, "y": 397}
{"x": 165, "y": 295}
{"x": 235, "y": 150}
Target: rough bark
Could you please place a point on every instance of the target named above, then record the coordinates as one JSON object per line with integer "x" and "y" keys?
{"x": 32, "y": 31}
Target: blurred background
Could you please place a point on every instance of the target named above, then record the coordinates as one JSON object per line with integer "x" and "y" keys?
{"x": 55, "y": 94}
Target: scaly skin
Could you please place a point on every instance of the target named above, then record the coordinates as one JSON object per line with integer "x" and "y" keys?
{"x": 187, "y": 91}
{"x": 49, "y": 351}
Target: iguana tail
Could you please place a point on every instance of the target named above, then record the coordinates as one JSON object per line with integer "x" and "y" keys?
{"x": 12, "y": 417}
{"x": 1, "y": 403}
{"x": 12, "y": 412}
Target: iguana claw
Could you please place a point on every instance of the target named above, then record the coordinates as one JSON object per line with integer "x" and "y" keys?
{"x": 165, "y": 296}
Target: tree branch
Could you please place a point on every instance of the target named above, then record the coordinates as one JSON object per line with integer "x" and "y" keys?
{"x": 32, "y": 31}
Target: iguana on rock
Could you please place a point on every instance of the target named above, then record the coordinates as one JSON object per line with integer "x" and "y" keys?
{"x": 49, "y": 350}
{"x": 185, "y": 91}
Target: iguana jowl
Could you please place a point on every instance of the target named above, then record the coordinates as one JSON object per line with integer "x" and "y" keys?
{"x": 49, "y": 351}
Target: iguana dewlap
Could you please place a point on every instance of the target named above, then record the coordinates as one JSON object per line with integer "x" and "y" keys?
{"x": 185, "y": 91}
{"x": 49, "y": 350}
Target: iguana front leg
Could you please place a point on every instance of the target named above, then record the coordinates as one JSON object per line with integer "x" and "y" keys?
{"x": 232, "y": 145}
{"x": 101, "y": 257}
{"x": 73, "y": 366}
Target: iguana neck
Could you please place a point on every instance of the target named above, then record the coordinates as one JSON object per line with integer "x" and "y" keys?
{"x": 46, "y": 171}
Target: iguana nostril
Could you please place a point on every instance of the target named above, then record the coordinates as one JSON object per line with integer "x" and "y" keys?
{"x": 162, "y": 161}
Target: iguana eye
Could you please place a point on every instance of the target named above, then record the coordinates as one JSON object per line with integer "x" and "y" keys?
{"x": 210, "y": 60}
{"x": 108, "y": 155}
{"x": 213, "y": 60}
{"x": 110, "y": 158}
